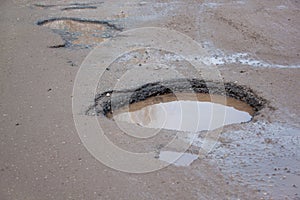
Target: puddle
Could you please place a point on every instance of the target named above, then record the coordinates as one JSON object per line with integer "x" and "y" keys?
{"x": 183, "y": 159}
{"x": 186, "y": 114}
{"x": 81, "y": 32}
{"x": 238, "y": 97}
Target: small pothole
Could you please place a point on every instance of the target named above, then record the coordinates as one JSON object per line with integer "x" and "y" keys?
{"x": 185, "y": 105}
{"x": 77, "y": 32}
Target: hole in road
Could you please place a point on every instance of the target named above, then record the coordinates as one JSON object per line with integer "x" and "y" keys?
{"x": 180, "y": 104}
{"x": 81, "y": 32}
{"x": 185, "y": 112}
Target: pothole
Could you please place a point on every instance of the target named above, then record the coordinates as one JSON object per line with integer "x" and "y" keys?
{"x": 185, "y": 112}
{"x": 79, "y": 32}
{"x": 185, "y": 105}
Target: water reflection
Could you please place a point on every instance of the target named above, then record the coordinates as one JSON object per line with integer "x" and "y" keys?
{"x": 184, "y": 114}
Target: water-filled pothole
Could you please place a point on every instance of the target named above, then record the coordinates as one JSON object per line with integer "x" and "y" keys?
{"x": 181, "y": 104}
{"x": 193, "y": 112}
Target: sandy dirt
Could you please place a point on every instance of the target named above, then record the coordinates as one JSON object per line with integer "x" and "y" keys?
{"x": 252, "y": 43}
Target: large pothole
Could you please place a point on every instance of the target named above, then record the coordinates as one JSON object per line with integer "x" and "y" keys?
{"x": 181, "y": 104}
{"x": 185, "y": 112}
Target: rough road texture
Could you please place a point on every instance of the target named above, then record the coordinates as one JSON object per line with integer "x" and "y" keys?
{"x": 253, "y": 43}
{"x": 104, "y": 103}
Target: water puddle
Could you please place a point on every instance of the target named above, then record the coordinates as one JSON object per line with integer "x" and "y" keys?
{"x": 192, "y": 113}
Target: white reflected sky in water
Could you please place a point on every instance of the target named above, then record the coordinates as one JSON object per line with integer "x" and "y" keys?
{"x": 184, "y": 116}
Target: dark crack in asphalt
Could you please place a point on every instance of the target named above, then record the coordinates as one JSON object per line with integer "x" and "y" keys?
{"x": 45, "y": 6}
{"x": 79, "y": 8}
